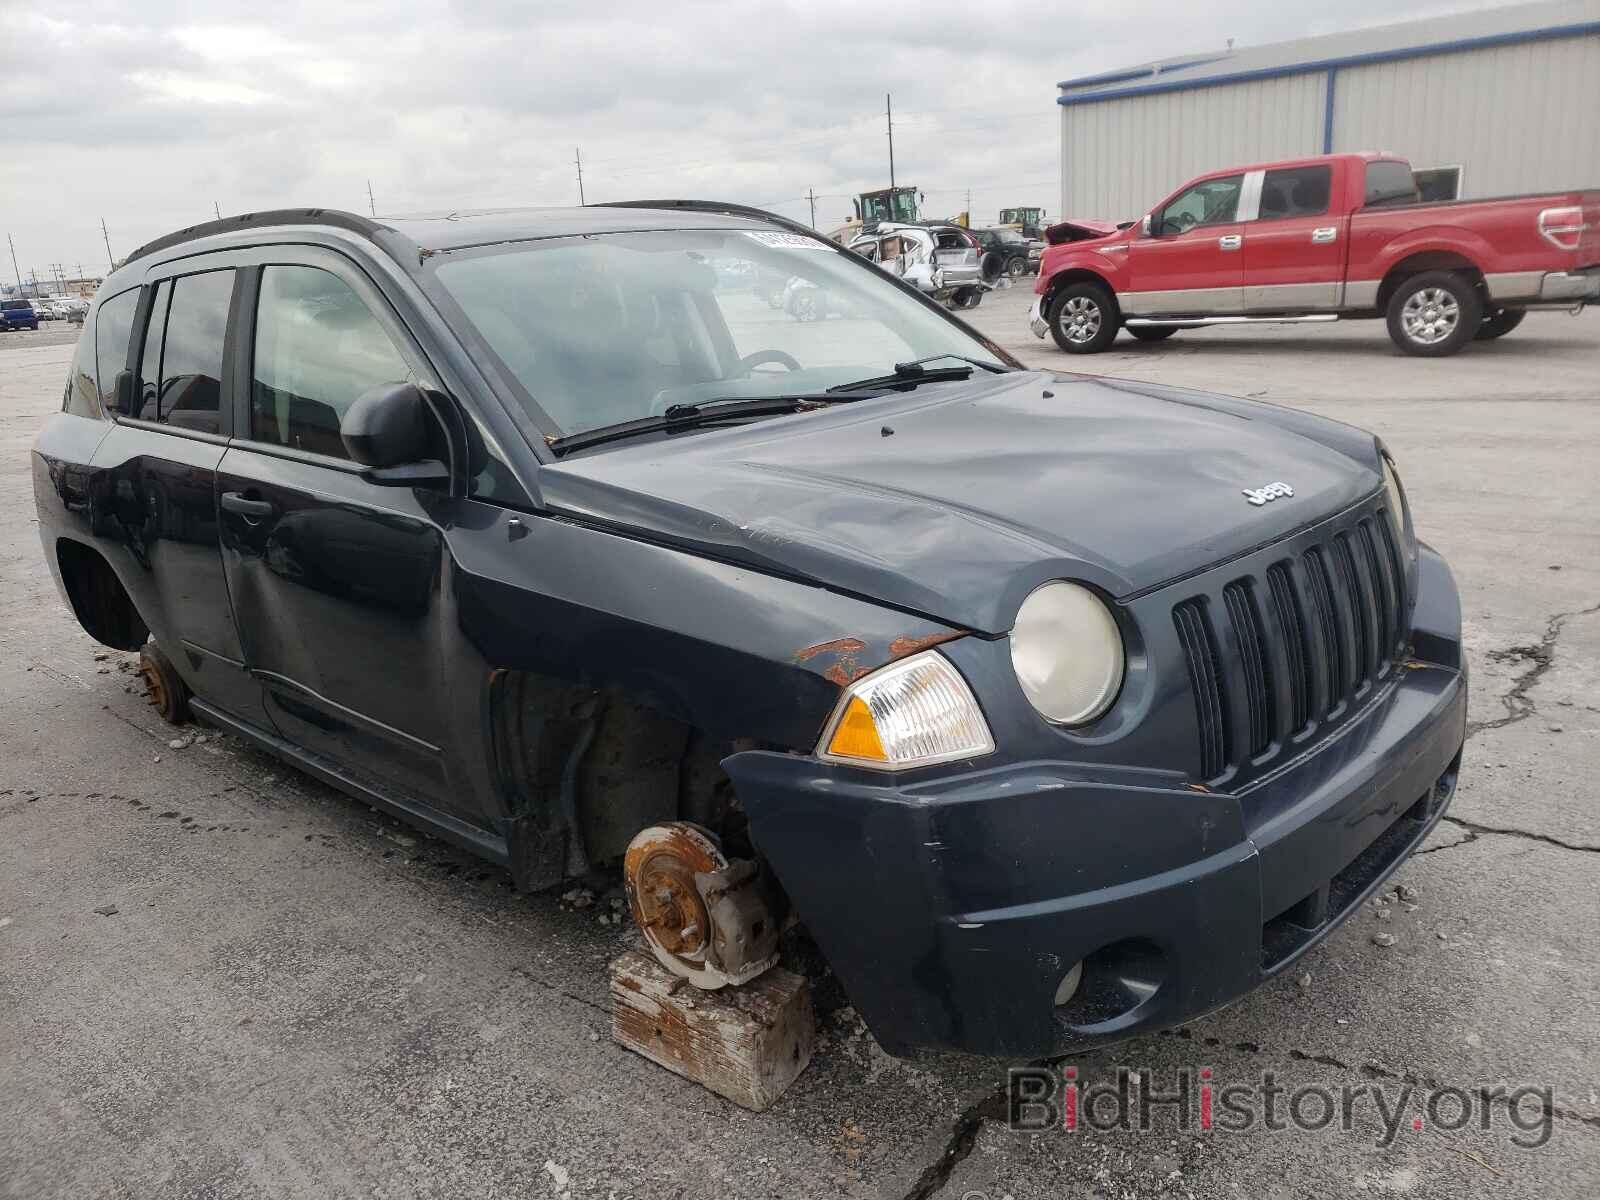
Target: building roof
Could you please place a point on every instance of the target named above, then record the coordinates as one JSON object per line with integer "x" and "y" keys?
{"x": 1414, "y": 39}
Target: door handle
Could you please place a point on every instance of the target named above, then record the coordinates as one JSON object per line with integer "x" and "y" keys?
{"x": 1231, "y": 241}
{"x": 238, "y": 502}
{"x": 1326, "y": 234}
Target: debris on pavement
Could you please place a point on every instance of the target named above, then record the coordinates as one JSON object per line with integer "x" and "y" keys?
{"x": 107, "y": 910}
{"x": 1383, "y": 939}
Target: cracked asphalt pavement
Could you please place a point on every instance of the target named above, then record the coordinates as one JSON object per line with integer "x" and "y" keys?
{"x": 219, "y": 978}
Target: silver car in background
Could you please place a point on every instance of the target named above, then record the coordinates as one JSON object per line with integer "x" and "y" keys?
{"x": 945, "y": 261}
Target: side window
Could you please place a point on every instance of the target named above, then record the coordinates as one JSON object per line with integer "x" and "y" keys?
{"x": 113, "y": 326}
{"x": 81, "y": 398}
{"x": 1210, "y": 202}
{"x": 191, "y": 357}
{"x": 150, "y": 355}
{"x": 1296, "y": 192}
{"x": 1388, "y": 183}
{"x": 317, "y": 348}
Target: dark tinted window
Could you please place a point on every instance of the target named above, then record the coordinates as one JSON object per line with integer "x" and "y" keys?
{"x": 318, "y": 347}
{"x": 1296, "y": 192}
{"x": 1389, "y": 183}
{"x": 16, "y": 305}
{"x": 191, "y": 357}
{"x": 150, "y": 355}
{"x": 113, "y": 326}
{"x": 1209, "y": 202}
{"x": 80, "y": 398}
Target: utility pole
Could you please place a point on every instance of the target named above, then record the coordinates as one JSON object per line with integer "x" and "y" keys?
{"x": 216, "y": 208}
{"x": 888, "y": 116}
{"x": 371, "y": 203}
{"x": 577, "y": 153}
{"x": 15, "y": 269}
{"x": 811, "y": 195}
{"x": 107, "y": 237}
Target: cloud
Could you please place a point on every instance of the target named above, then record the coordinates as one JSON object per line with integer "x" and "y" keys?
{"x": 148, "y": 114}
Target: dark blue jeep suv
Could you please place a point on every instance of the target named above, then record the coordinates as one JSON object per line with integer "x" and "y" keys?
{"x": 1056, "y": 708}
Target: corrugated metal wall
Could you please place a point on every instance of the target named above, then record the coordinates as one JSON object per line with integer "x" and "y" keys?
{"x": 1120, "y": 156}
{"x": 1516, "y": 118}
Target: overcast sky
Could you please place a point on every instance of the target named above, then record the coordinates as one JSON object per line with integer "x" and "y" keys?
{"x": 146, "y": 114}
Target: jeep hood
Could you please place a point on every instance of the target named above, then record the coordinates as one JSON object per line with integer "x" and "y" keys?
{"x": 958, "y": 499}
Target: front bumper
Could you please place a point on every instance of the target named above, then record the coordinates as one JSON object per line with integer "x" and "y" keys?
{"x": 952, "y": 907}
{"x": 1036, "y": 321}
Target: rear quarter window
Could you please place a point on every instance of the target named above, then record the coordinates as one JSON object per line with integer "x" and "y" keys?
{"x": 108, "y": 332}
{"x": 1389, "y": 183}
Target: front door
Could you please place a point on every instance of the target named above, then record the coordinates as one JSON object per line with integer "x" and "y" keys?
{"x": 1294, "y": 253}
{"x": 1191, "y": 264}
{"x": 337, "y": 584}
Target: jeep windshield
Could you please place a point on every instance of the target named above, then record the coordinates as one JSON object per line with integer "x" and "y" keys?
{"x": 612, "y": 329}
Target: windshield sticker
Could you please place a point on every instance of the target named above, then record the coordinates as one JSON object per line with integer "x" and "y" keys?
{"x": 785, "y": 241}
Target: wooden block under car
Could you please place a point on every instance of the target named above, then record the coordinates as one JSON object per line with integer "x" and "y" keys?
{"x": 746, "y": 1043}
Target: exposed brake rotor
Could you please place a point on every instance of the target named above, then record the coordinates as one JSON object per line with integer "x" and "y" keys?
{"x": 705, "y": 919}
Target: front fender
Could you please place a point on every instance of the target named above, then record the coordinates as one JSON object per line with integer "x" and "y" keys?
{"x": 1112, "y": 269}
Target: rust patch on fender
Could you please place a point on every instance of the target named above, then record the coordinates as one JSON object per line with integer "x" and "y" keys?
{"x": 845, "y": 667}
{"x": 905, "y": 646}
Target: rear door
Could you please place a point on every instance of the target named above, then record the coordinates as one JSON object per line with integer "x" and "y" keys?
{"x": 1191, "y": 264}
{"x": 338, "y": 585}
{"x": 155, "y": 492}
{"x": 1294, "y": 251}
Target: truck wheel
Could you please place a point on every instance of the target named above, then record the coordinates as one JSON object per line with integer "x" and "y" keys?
{"x": 1152, "y": 333}
{"x": 1083, "y": 318}
{"x": 1017, "y": 267}
{"x": 1499, "y": 323}
{"x": 1434, "y": 314}
{"x": 164, "y": 688}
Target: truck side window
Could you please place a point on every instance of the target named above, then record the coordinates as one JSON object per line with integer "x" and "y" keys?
{"x": 318, "y": 347}
{"x": 150, "y": 356}
{"x": 1389, "y": 183}
{"x": 112, "y": 327}
{"x": 1209, "y": 202}
{"x": 1296, "y": 192}
{"x": 191, "y": 358}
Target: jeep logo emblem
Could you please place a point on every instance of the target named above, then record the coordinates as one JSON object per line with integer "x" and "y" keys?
{"x": 1259, "y": 496}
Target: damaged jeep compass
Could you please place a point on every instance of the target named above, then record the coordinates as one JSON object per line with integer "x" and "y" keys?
{"x": 1055, "y": 708}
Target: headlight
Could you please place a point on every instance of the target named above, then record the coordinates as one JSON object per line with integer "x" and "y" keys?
{"x": 1395, "y": 498}
{"x": 911, "y": 713}
{"x": 1067, "y": 652}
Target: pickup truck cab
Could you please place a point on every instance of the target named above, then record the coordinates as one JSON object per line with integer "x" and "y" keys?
{"x": 1319, "y": 239}
{"x": 1057, "y": 709}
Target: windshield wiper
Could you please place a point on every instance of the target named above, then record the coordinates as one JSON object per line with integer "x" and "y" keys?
{"x": 908, "y": 375}
{"x": 688, "y": 416}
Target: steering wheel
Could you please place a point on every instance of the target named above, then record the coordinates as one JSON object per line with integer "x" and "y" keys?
{"x": 1184, "y": 222}
{"x": 762, "y": 357}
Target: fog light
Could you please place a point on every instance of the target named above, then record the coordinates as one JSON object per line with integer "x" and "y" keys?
{"x": 1068, "y": 987}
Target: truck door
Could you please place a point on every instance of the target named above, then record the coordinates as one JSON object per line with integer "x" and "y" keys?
{"x": 1191, "y": 263}
{"x": 1294, "y": 252}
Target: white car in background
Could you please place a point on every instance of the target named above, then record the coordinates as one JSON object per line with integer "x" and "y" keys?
{"x": 945, "y": 261}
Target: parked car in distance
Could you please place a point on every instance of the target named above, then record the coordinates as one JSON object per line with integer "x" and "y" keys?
{"x": 18, "y": 314}
{"x": 1058, "y": 710}
{"x": 1014, "y": 254}
{"x": 944, "y": 261}
{"x": 1320, "y": 239}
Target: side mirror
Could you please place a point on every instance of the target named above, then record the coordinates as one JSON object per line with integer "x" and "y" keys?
{"x": 1145, "y": 225}
{"x": 386, "y": 430}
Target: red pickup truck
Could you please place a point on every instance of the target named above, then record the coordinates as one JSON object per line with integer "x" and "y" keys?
{"x": 1319, "y": 239}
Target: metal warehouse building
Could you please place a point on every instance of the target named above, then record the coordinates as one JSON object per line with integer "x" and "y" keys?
{"x": 1484, "y": 104}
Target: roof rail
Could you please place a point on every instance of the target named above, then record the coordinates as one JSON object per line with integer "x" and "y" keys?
{"x": 334, "y": 217}
{"x": 716, "y": 206}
